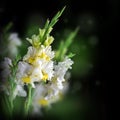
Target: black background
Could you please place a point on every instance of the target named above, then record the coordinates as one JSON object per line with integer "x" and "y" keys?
{"x": 106, "y": 12}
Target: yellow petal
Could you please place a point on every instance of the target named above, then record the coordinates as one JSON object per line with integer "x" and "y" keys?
{"x": 31, "y": 60}
{"x": 44, "y": 56}
{"x": 43, "y": 102}
{"x": 26, "y": 79}
{"x": 45, "y": 76}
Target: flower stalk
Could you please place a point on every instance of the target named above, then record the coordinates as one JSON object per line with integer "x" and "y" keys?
{"x": 28, "y": 100}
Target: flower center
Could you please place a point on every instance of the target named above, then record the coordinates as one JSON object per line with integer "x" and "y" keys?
{"x": 43, "y": 102}
{"x": 45, "y": 76}
{"x": 44, "y": 56}
{"x": 26, "y": 79}
{"x": 31, "y": 60}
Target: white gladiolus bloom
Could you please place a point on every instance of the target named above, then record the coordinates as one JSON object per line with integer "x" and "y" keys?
{"x": 40, "y": 59}
{"x": 23, "y": 74}
{"x": 55, "y": 93}
{"x": 47, "y": 69}
{"x": 39, "y": 99}
{"x": 60, "y": 71}
{"x": 44, "y": 71}
{"x": 48, "y": 51}
{"x": 13, "y": 43}
{"x": 35, "y": 54}
{"x": 23, "y": 69}
{"x": 39, "y": 70}
{"x": 44, "y": 96}
{"x": 62, "y": 67}
{"x": 31, "y": 54}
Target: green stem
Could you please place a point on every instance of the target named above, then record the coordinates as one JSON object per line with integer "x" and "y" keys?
{"x": 7, "y": 105}
{"x": 28, "y": 100}
{"x": 11, "y": 106}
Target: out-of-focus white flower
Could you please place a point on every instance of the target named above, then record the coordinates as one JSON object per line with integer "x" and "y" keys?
{"x": 39, "y": 99}
{"x": 6, "y": 71}
{"x": 5, "y": 66}
{"x": 13, "y": 43}
{"x": 19, "y": 90}
{"x": 46, "y": 95}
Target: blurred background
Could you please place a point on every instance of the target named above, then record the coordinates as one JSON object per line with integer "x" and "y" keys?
{"x": 87, "y": 96}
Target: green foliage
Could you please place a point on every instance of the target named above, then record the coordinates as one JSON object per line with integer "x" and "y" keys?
{"x": 64, "y": 45}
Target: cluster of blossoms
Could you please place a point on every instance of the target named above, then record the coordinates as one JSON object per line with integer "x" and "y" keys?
{"x": 39, "y": 67}
{"x": 39, "y": 70}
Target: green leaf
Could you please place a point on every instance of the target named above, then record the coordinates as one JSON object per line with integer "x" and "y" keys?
{"x": 62, "y": 50}
{"x": 48, "y": 26}
{"x": 8, "y": 27}
{"x": 70, "y": 55}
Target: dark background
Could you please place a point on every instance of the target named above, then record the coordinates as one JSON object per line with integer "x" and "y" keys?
{"x": 106, "y": 14}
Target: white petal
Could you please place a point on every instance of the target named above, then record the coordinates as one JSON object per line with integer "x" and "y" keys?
{"x": 21, "y": 91}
